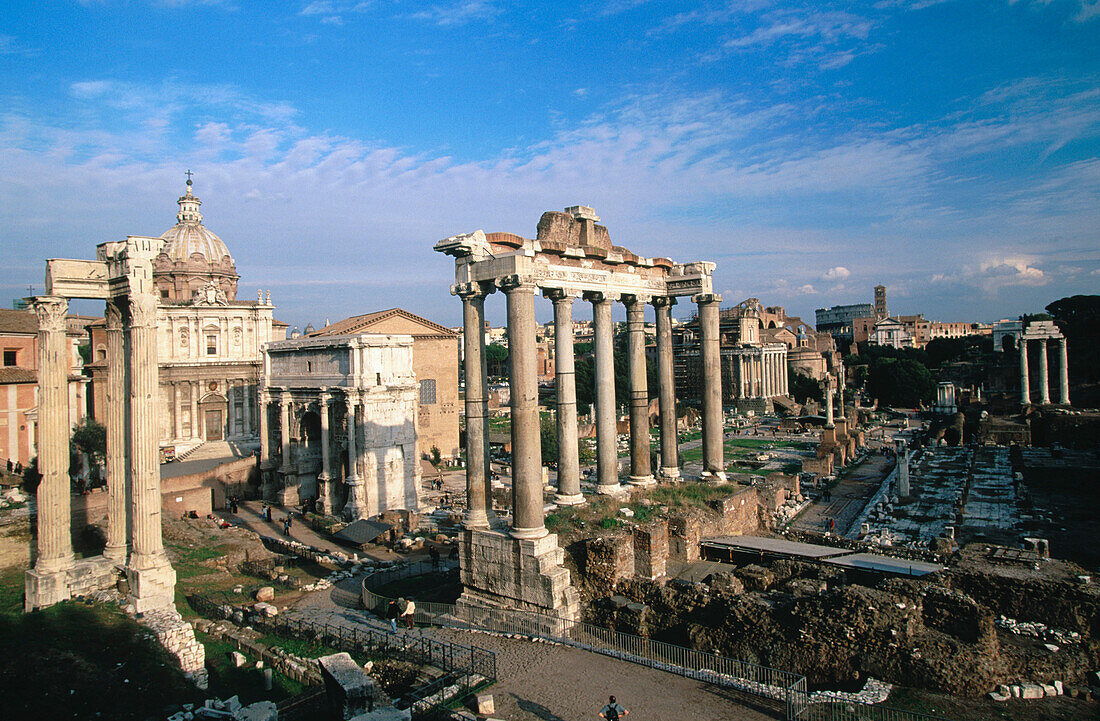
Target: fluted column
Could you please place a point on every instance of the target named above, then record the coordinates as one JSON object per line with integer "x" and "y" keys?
{"x": 569, "y": 473}
{"x": 666, "y": 391}
{"x": 1063, "y": 372}
{"x": 713, "y": 463}
{"x": 607, "y": 452}
{"x": 641, "y": 472}
{"x": 1044, "y": 374}
{"x": 196, "y": 427}
{"x": 355, "y": 506}
{"x": 55, "y": 549}
{"x": 118, "y": 452}
{"x": 478, "y": 488}
{"x": 1025, "y": 383}
{"x": 527, "y": 516}
{"x": 324, "y": 478}
{"x": 152, "y": 580}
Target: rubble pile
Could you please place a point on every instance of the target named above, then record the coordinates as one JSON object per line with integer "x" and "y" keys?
{"x": 1039, "y": 630}
{"x": 225, "y": 710}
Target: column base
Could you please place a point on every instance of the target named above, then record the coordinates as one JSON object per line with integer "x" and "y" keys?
{"x": 643, "y": 481}
{"x": 715, "y": 477}
{"x": 477, "y": 519}
{"x": 672, "y": 473}
{"x": 154, "y": 587}
{"x": 529, "y": 533}
{"x": 501, "y": 573}
{"x": 353, "y": 509}
{"x": 116, "y": 554}
{"x": 45, "y": 588}
{"x": 611, "y": 490}
{"x": 569, "y": 500}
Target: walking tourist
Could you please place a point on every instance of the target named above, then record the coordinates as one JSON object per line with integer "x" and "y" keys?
{"x": 286, "y": 526}
{"x": 407, "y": 615}
{"x": 393, "y": 611}
{"x": 613, "y": 711}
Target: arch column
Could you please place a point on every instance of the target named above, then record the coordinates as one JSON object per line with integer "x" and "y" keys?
{"x": 1063, "y": 372}
{"x": 607, "y": 452}
{"x": 565, "y": 385}
{"x": 355, "y": 506}
{"x": 1025, "y": 382}
{"x": 666, "y": 388}
{"x": 527, "y": 517}
{"x": 641, "y": 472}
{"x": 1044, "y": 374}
{"x": 478, "y": 483}
{"x": 713, "y": 463}
{"x": 324, "y": 478}
{"x": 118, "y": 480}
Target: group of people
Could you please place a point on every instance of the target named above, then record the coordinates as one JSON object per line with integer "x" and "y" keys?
{"x": 403, "y": 610}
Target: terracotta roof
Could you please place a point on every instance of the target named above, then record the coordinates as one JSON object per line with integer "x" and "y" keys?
{"x": 18, "y": 321}
{"x": 12, "y": 374}
{"x": 362, "y": 324}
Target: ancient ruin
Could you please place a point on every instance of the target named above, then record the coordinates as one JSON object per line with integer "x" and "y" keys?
{"x": 571, "y": 257}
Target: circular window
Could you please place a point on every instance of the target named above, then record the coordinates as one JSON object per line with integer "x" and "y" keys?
{"x": 213, "y": 385}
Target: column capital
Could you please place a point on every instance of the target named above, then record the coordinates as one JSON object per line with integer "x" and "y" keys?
{"x": 634, "y": 298}
{"x": 114, "y": 313}
{"x": 560, "y": 295}
{"x": 599, "y": 296}
{"x": 324, "y": 397}
{"x": 143, "y": 310}
{"x": 705, "y": 298}
{"x": 285, "y": 398}
{"x": 515, "y": 282}
{"x": 469, "y": 291}
{"x": 662, "y": 301}
{"x": 351, "y": 398}
{"x": 51, "y": 311}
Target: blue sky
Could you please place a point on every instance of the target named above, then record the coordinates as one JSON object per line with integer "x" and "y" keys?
{"x": 949, "y": 150}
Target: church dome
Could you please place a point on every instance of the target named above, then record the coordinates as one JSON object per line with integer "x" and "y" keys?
{"x": 193, "y": 258}
{"x": 189, "y": 236}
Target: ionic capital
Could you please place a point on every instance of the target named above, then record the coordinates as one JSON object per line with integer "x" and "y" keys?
{"x": 560, "y": 295}
{"x": 515, "y": 283}
{"x": 599, "y": 296}
{"x": 706, "y": 298}
{"x": 51, "y": 311}
{"x": 630, "y": 299}
{"x": 662, "y": 301}
{"x": 471, "y": 291}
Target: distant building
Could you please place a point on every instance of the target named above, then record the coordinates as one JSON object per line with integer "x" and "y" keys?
{"x": 891, "y": 332}
{"x": 880, "y": 303}
{"x": 837, "y": 321}
{"x": 435, "y": 358}
{"x": 959, "y": 329}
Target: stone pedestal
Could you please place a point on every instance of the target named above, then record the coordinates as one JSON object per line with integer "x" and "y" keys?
{"x": 152, "y": 588}
{"x": 502, "y": 572}
{"x": 45, "y": 588}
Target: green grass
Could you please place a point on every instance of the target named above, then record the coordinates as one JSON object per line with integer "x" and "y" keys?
{"x": 246, "y": 682}
{"x": 11, "y": 590}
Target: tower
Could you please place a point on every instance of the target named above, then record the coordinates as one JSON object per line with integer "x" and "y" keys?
{"x": 880, "y": 302}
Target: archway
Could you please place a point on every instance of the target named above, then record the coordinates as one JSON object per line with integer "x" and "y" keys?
{"x": 213, "y": 417}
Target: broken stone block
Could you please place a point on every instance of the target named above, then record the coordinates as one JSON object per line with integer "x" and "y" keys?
{"x": 237, "y": 658}
{"x": 1016, "y": 691}
{"x": 265, "y": 593}
{"x": 1049, "y": 691}
{"x": 483, "y": 704}
{"x": 994, "y": 696}
{"x": 259, "y": 711}
{"x": 1031, "y": 690}
{"x": 266, "y": 609}
{"x": 1059, "y": 687}
{"x": 350, "y": 690}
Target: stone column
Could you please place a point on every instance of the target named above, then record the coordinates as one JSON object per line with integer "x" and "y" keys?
{"x": 47, "y": 582}
{"x": 641, "y": 472}
{"x": 246, "y": 412}
{"x": 829, "y": 403}
{"x": 607, "y": 452}
{"x": 478, "y": 484}
{"x": 903, "y": 467}
{"x": 666, "y": 392}
{"x": 355, "y": 506}
{"x": 565, "y": 384}
{"x": 324, "y": 491}
{"x": 1025, "y": 383}
{"x": 284, "y": 432}
{"x": 195, "y": 425}
{"x": 118, "y": 452}
{"x": 713, "y": 463}
{"x": 177, "y": 410}
{"x": 265, "y": 445}
{"x": 1063, "y": 372}
{"x": 1044, "y": 374}
{"x": 527, "y": 517}
{"x": 152, "y": 580}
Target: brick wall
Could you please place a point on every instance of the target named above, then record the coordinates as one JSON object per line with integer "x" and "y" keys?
{"x": 651, "y": 550}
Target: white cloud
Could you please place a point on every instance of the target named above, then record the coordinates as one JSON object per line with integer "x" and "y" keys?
{"x": 837, "y": 273}
{"x": 458, "y": 13}
{"x": 807, "y": 289}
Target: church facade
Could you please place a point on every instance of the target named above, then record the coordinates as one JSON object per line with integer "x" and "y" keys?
{"x": 208, "y": 342}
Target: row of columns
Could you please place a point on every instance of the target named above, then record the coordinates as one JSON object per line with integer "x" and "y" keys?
{"x": 527, "y": 501}
{"x": 234, "y": 389}
{"x": 761, "y": 374}
{"x": 1044, "y": 372}
{"x": 133, "y": 469}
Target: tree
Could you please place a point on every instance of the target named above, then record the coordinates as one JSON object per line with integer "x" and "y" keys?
{"x": 900, "y": 382}
{"x": 549, "y": 433}
{"x": 1078, "y": 317}
{"x": 803, "y": 387}
{"x": 496, "y": 357}
{"x": 91, "y": 438}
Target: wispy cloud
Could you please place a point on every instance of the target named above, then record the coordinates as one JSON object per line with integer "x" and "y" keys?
{"x": 458, "y": 13}
{"x": 334, "y": 12}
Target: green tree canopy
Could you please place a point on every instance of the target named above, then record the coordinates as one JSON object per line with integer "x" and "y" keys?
{"x": 91, "y": 438}
{"x": 900, "y": 382}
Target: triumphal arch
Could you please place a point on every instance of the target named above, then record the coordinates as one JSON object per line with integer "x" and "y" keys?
{"x": 121, "y": 275}
{"x": 570, "y": 258}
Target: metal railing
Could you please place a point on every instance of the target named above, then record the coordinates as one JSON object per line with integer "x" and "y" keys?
{"x": 466, "y": 668}
{"x": 785, "y": 691}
